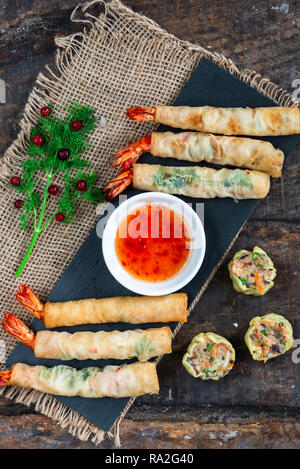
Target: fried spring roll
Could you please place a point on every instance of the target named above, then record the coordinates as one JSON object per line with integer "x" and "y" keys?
{"x": 234, "y": 151}
{"x": 133, "y": 310}
{"x": 113, "y": 381}
{"x": 262, "y": 121}
{"x": 142, "y": 344}
{"x": 201, "y": 182}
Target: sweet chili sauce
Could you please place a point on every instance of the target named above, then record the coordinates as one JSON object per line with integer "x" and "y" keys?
{"x": 153, "y": 243}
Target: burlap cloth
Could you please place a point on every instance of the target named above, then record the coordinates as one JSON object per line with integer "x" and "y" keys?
{"x": 120, "y": 59}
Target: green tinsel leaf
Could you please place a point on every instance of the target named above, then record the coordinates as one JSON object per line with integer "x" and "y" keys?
{"x": 35, "y": 200}
{"x": 23, "y": 218}
{"x": 96, "y": 196}
{"x": 67, "y": 204}
{"x": 58, "y": 134}
{"x": 21, "y": 188}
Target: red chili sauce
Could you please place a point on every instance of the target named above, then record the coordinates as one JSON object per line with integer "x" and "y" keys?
{"x": 153, "y": 243}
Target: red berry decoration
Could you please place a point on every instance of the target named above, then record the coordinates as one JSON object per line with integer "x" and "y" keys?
{"x": 19, "y": 203}
{"x": 38, "y": 140}
{"x": 45, "y": 111}
{"x": 81, "y": 185}
{"x": 60, "y": 217}
{"x": 63, "y": 154}
{"x": 76, "y": 125}
{"x": 53, "y": 189}
{"x": 15, "y": 181}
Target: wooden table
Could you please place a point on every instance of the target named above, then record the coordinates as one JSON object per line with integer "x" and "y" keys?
{"x": 260, "y": 35}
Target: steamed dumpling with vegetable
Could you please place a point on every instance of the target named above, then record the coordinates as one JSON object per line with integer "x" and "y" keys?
{"x": 209, "y": 356}
{"x": 252, "y": 273}
{"x": 269, "y": 336}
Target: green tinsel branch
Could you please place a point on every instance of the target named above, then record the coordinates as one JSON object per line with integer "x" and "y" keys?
{"x": 56, "y": 134}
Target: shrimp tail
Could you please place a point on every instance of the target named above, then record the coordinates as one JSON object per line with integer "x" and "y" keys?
{"x": 17, "y": 329}
{"x": 139, "y": 113}
{"x": 5, "y": 377}
{"x": 30, "y": 301}
{"x": 118, "y": 184}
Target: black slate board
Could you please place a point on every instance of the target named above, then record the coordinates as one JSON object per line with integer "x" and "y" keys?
{"x": 87, "y": 275}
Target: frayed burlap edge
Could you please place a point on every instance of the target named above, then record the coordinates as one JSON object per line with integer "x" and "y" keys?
{"x": 67, "y": 418}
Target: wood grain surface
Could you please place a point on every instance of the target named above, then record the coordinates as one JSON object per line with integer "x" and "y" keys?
{"x": 262, "y": 35}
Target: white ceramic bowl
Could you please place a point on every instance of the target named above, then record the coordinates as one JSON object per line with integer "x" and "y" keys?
{"x": 192, "y": 264}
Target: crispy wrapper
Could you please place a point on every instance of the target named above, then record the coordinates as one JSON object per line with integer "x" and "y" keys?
{"x": 142, "y": 344}
{"x": 113, "y": 381}
{"x": 263, "y": 121}
{"x": 235, "y": 151}
{"x": 201, "y": 182}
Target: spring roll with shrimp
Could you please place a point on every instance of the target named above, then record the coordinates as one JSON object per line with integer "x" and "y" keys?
{"x": 111, "y": 381}
{"x": 140, "y": 344}
{"x": 195, "y": 181}
{"x": 197, "y": 146}
{"x": 261, "y": 121}
{"x": 133, "y": 310}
